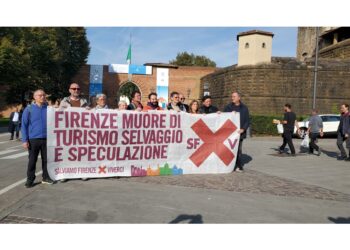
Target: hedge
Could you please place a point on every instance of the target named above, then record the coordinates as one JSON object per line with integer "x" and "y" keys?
{"x": 262, "y": 124}
{"x": 4, "y": 122}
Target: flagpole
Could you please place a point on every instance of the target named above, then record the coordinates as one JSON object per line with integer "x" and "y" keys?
{"x": 129, "y": 59}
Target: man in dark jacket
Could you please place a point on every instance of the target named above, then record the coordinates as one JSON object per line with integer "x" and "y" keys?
{"x": 237, "y": 106}
{"x": 183, "y": 106}
{"x": 343, "y": 132}
{"x": 206, "y": 107}
{"x": 15, "y": 123}
{"x": 34, "y": 133}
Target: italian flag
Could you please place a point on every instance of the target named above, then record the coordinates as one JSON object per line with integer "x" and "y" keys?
{"x": 128, "y": 57}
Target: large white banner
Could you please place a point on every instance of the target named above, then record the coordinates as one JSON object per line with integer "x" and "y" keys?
{"x": 85, "y": 143}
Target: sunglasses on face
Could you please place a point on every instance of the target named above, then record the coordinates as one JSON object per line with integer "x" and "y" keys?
{"x": 75, "y": 88}
{"x": 182, "y": 99}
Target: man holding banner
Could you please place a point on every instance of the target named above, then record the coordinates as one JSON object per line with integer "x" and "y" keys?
{"x": 74, "y": 100}
{"x": 237, "y": 106}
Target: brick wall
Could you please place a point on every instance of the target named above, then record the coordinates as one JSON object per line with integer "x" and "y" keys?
{"x": 182, "y": 79}
{"x": 267, "y": 87}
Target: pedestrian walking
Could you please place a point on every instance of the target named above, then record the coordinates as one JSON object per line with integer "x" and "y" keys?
{"x": 315, "y": 130}
{"x": 289, "y": 122}
{"x": 343, "y": 132}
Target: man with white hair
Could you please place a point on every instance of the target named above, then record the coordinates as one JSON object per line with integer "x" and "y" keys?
{"x": 34, "y": 136}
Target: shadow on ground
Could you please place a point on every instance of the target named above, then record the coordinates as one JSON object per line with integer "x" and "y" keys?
{"x": 340, "y": 220}
{"x": 330, "y": 153}
{"x": 246, "y": 159}
{"x": 192, "y": 219}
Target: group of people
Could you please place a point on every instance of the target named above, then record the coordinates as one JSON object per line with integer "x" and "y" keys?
{"x": 315, "y": 130}
{"x": 34, "y": 129}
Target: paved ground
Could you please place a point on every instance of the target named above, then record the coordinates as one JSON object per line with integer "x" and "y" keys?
{"x": 273, "y": 189}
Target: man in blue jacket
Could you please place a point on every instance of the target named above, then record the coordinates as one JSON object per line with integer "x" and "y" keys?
{"x": 237, "y": 106}
{"x": 34, "y": 136}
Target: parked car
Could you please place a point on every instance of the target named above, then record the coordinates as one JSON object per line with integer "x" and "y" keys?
{"x": 330, "y": 125}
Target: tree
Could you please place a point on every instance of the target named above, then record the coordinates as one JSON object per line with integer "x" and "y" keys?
{"x": 45, "y": 57}
{"x": 186, "y": 59}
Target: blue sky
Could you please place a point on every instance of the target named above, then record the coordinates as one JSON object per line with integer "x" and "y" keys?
{"x": 161, "y": 44}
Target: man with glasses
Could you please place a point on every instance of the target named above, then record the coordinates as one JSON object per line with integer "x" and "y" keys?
{"x": 174, "y": 103}
{"x": 74, "y": 100}
{"x": 184, "y": 107}
{"x": 34, "y": 134}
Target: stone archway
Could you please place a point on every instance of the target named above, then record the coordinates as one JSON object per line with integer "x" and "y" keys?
{"x": 126, "y": 88}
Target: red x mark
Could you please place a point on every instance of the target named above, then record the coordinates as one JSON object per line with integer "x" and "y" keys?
{"x": 213, "y": 142}
{"x": 102, "y": 169}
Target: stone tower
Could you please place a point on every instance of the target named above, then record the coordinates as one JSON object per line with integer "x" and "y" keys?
{"x": 307, "y": 41}
{"x": 254, "y": 46}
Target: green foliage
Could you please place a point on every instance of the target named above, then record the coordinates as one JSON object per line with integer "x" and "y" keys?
{"x": 186, "y": 59}
{"x": 40, "y": 57}
{"x": 262, "y": 124}
{"x": 4, "y": 122}
{"x": 335, "y": 108}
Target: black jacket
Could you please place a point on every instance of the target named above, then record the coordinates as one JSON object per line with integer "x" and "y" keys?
{"x": 344, "y": 124}
{"x": 243, "y": 115}
{"x": 208, "y": 110}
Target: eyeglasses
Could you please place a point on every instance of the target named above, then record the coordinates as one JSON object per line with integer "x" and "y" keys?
{"x": 182, "y": 99}
{"x": 75, "y": 89}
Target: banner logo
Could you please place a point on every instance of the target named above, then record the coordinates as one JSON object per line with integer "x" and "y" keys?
{"x": 212, "y": 142}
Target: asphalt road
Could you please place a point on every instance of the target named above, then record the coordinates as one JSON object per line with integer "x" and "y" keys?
{"x": 273, "y": 189}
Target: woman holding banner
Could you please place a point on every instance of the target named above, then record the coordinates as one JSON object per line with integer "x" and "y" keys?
{"x": 194, "y": 107}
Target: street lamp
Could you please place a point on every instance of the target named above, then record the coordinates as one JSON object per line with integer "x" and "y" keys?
{"x": 315, "y": 71}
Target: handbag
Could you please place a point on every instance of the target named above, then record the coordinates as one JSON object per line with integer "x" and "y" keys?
{"x": 305, "y": 141}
